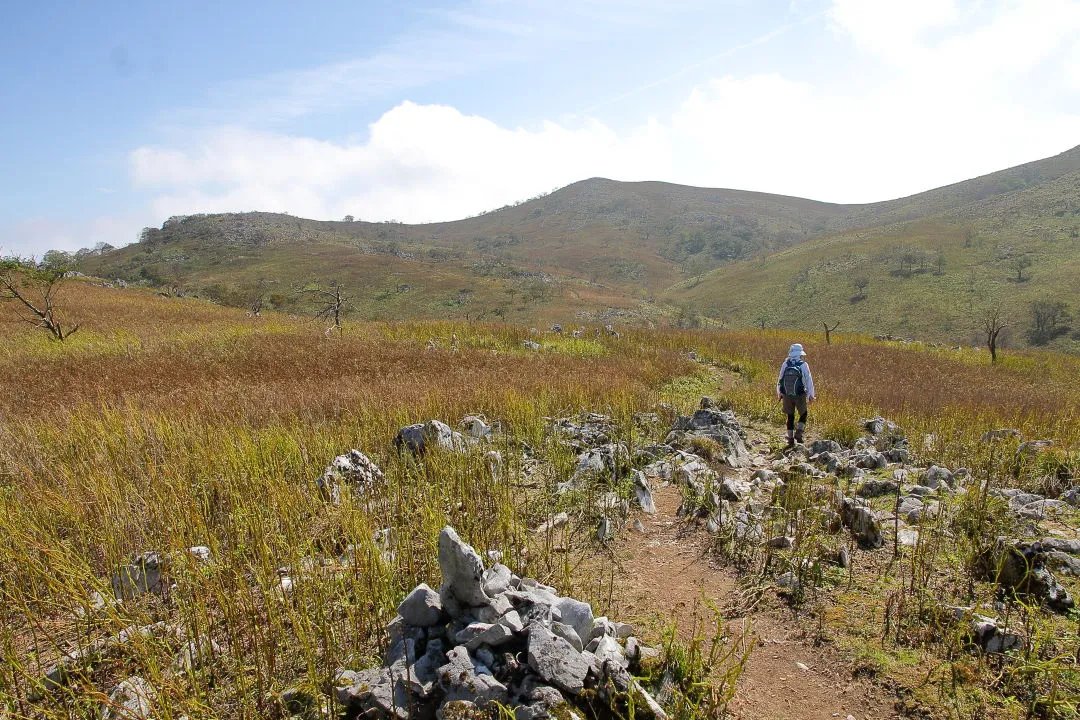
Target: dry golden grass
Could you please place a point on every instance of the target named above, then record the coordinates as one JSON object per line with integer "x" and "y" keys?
{"x": 169, "y": 423}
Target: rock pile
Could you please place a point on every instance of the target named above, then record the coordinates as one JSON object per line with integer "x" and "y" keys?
{"x": 720, "y": 426}
{"x": 488, "y": 636}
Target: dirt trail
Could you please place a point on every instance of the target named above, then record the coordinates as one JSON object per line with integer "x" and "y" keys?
{"x": 666, "y": 571}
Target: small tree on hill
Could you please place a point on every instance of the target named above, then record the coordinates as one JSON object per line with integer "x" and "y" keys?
{"x": 34, "y": 290}
{"x": 861, "y": 283}
{"x": 994, "y": 320}
{"x": 1020, "y": 263}
{"x": 1049, "y": 319}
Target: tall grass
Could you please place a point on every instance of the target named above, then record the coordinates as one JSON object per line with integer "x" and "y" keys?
{"x": 170, "y": 423}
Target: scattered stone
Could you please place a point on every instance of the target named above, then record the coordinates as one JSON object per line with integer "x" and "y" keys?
{"x": 141, "y": 576}
{"x": 1033, "y": 447}
{"x": 897, "y": 455}
{"x": 555, "y": 521}
{"x": 1063, "y": 563}
{"x": 418, "y": 439}
{"x": 870, "y": 460}
{"x": 1038, "y": 509}
{"x": 355, "y": 469}
{"x": 860, "y": 520}
{"x": 820, "y": 446}
{"x": 1019, "y": 566}
{"x": 722, "y": 427}
{"x": 937, "y": 476}
{"x": 132, "y": 699}
{"x": 876, "y": 488}
{"x": 879, "y": 425}
{"x": 530, "y": 345}
{"x": 200, "y": 553}
{"x": 659, "y": 470}
{"x": 555, "y": 660}
{"x": 992, "y": 637}
{"x": 909, "y": 505}
{"x": 605, "y": 529}
{"x": 907, "y": 537}
{"x": 643, "y": 492}
{"x": 476, "y": 427}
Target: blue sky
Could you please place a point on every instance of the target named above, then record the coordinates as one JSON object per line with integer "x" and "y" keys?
{"x": 118, "y": 115}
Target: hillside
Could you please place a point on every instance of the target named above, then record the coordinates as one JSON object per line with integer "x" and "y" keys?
{"x": 643, "y": 252}
{"x": 927, "y": 277}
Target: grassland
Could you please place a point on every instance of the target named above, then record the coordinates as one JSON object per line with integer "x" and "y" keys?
{"x": 168, "y": 423}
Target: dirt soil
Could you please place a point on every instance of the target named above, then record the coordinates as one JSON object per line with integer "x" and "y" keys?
{"x": 667, "y": 570}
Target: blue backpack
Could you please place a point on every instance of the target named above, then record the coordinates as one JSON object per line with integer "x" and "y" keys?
{"x": 791, "y": 382}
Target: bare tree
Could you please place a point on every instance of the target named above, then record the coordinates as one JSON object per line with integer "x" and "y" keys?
{"x": 331, "y": 303}
{"x": 994, "y": 320}
{"x": 861, "y": 283}
{"x": 829, "y": 331}
{"x": 34, "y": 291}
{"x": 257, "y": 301}
{"x": 1050, "y": 318}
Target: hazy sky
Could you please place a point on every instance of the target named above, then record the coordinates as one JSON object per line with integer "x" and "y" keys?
{"x": 118, "y": 114}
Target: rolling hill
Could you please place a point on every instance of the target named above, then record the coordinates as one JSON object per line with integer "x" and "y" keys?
{"x": 652, "y": 252}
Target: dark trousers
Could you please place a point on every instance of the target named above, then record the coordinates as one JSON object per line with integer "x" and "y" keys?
{"x": 790, "y": 406}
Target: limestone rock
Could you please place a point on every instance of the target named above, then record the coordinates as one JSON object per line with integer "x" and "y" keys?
{"x": 422, "y": 607}
{"x": 556, "y": 661}
{"x": 355, "y": 469}
{"x": 462, "y": 569}
{"x": 860, "y": 520}
{"x": 132, "y": 699}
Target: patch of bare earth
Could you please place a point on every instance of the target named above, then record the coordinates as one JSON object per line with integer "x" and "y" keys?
{"x": 665, "y": 573}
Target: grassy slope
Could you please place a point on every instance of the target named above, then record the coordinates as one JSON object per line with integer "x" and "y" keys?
{"x": 804, "y": 285}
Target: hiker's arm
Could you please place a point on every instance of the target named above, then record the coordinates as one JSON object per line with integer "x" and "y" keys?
{"x": 808, "y": 381}
{"x": 780, "y": 381}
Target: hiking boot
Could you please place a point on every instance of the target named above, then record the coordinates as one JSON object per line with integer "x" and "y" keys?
{"x": 790, "y": 442}
{"x": 799, "y": 432}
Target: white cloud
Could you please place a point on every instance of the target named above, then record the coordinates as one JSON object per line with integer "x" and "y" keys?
{"x": 953, "y": 102}
{"x": 426, "y": 162}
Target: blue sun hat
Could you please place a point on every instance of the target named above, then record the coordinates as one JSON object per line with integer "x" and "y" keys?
{"x": 796, "y": 352}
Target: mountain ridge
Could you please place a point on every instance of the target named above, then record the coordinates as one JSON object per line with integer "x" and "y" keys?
{"x": 644, "y": 251}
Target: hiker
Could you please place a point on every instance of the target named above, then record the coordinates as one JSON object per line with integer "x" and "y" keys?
{"x": 795, "y": 387}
